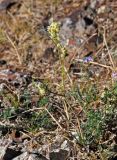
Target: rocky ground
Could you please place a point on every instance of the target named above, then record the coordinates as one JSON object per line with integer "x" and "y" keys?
{"x": 38, "y": 120}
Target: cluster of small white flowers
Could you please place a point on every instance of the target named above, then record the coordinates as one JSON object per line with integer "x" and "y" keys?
{"x": 53, "y": 30}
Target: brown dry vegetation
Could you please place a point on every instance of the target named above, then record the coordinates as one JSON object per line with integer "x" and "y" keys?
{"x": 39, "y": 115}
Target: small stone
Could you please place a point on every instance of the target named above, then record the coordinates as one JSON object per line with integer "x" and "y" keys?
{"x": 4, "y": 4}
{"x": 2, "y": 62}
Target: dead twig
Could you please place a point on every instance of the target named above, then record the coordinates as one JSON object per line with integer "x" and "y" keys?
{"x": 53, "y": 118}
{"x": 105, "y": 42}
{"x": 15, "y": 48}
